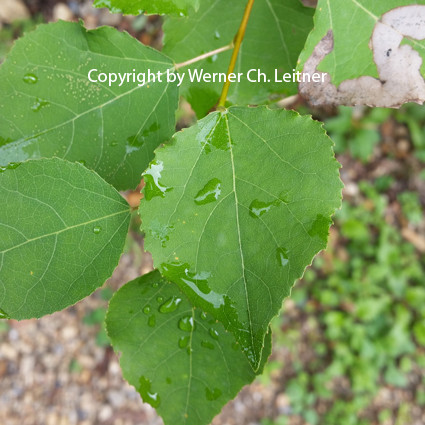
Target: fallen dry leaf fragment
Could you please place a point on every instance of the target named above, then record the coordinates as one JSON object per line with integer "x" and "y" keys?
{"x": 398, "y": 66}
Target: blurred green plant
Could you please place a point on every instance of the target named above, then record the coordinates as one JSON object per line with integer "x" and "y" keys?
{"x": 15, "y": 30}
{"x": 356, "y": 132}
{"x": 413, "y": 116}
{"x": 96, "y": 318}
{"x": 362, "y": 305}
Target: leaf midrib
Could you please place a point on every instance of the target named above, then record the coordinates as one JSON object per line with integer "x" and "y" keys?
{"x": 126, "y": 211}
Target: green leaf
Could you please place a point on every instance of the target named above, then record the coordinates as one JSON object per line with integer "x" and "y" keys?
{"x": 274, "y": 37}
{"x": 180, "y": 359}
{"x": 62, "y": 232}
{"x": 366, "y": 38}
{"x": 48, "y": 106}
{"x": 160, "y": 7}
{"x": 236, "y": 208}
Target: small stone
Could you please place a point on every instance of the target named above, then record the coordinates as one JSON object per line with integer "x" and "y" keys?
{"x": 62, "y": 12}
{"x": 7, "y": 351}
{"x": 69, "y": 332}
{"x": 105, "y": 413}
{"x": 12, "y": 10}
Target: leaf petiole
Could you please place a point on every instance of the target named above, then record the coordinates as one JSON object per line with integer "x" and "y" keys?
{"x": 237, "y": 41}
{"x": 204, "y": 56}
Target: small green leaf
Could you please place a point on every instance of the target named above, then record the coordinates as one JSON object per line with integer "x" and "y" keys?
{"x": 159, "y": 7}
{"x": 48, "y": 106}
{"x": 274, "y": 37}
{"x": 62, "y": 232}
{"x": 250, "y": 192}
{"x": 183, "y": 362}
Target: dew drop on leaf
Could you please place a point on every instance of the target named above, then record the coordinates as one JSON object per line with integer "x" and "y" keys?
{"x": 209, "y": 193}
{"x": 320, "y": 227}
{"x": 170, "y": 305}
{"x": 213, "y": 333}
{"x": 145, "y": 391}
{"x": 151, "y": 177}
{"x": 184, "y": 341}
{"x": 282, "y": 256}
{"x": 152, "y": 321}
{"x": 258, "y": 208}
{"x": 13, "y": 165}
{"x": 217, "y": 35}
{"x": 3, "y": 314}
{"x": 147, "y": 309}
{"x": 187, "y": 324}
{"x": 39, "y": 104}
{"x": 97, "y": 230}
{"x": 30, "y": 78}
{"x": 159, "y": 299}
{"x": 217, "y": 139}
{"x": 204, "y": 315}
{"x": 207, "y": 344}
{"x": 212, "y": 394}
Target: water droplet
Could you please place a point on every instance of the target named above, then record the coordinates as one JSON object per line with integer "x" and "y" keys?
{"x": 152, "y": 321}
{"x": 212, "y": 394}
{"x": 212, "y": 58}
{"x": 39, "y": 104}
{"x": 13, "y": 165}
{"x": 198, "y": 282}
{"x": 147, "y": 309}
{"x": 151, "y": 177}
{"x": 282, "y": 256}
{"x": 159, "y": 299}
{"x": 207, "y": 344}
{"x": 170, "y": 305}
{"x": 114, "y": 143}
{"x": 2, "y": 169}
{"x": 160, "y": 231}
{"x": 184, "y": 341}
{"x": 187, "y": 324}
{"x": 155, "y": 285}
{"x": 218, "y": 138}
{"x": 217, "y": 35}
{"x": 4, "y": 141}
{"x": 258, "y": 208}
{"x": 145, "y": 391}
{"x": 30, "y": 78}
{"x": 135, "y": 142}
{"x": 213, "y": 333}
{"x": 82, "y": 162}
{"x": 3, "y": 314}
{"x": 209, "y": 193}
{"x": 97, "y": 230}
{"x": 320, "y": 227}
{"x": 204, "y": 315}
{"x": 189, "y": 351}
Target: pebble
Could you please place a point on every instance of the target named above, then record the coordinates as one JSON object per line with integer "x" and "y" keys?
{"x": 12, "y": 10}
{"x": 62, "y": 12}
